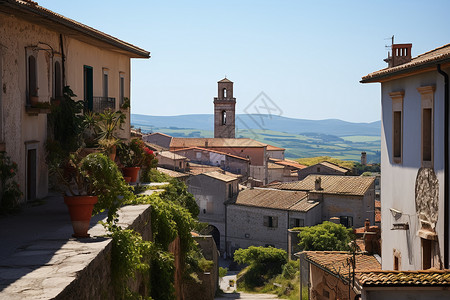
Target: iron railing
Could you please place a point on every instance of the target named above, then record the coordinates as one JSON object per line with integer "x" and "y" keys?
{"x": 100, "y": 104}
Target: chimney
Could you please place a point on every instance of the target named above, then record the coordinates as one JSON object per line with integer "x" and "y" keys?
{"x": 366, "y": 225}
{"x": 318, "y": 184}
{"x": 206, "y": 144}
{"x": 335, "y": 220}
{"x": 401, "y": 54}
{"x": 363, "y": 158}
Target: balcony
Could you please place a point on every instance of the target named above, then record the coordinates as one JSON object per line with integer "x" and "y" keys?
{"x": 100, "y": 104}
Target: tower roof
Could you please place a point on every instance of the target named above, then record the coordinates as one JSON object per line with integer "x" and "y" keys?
{"x": 225, "y": 80}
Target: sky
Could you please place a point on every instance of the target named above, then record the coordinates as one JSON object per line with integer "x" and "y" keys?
{"x": 306, "y": 56}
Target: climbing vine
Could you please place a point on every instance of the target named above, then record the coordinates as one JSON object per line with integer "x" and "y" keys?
{"x": 171, "y": 217}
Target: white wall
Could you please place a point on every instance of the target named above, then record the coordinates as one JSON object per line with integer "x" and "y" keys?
{"x": 398, "y": 180}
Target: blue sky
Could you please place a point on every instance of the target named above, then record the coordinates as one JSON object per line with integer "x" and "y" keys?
{"x": 307, "y": 56}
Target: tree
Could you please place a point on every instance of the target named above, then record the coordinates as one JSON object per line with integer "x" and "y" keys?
{"x": 325, "y": 236}
{"x": 264, "y": 263}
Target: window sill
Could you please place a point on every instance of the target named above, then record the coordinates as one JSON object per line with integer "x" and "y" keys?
{"x": 34, "y": 111}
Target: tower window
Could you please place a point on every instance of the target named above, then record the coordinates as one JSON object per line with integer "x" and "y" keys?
{"x": 397, "y": 126}
{"x": 224, "y": 117}
{"x": 427, "y": 99}
{"x": 224, "y": 93}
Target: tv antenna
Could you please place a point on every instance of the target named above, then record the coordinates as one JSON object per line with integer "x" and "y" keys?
{"x": 392, "y": 43}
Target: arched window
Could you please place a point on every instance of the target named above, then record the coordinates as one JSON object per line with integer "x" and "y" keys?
{"x": 224, "y": 117}
{"x": 32, "y": 76}
{"x": 224, "y": 93}
{"x": 58, "y": 80}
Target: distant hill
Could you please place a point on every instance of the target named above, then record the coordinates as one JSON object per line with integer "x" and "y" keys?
{"x": 300, "y": 138}
{"x": 263, "y": 122}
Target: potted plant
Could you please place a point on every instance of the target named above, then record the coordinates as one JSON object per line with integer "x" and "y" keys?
{"x": 131, "y": 157}
{"x": 108, "y": 123}
{"x": 92, "y": 184}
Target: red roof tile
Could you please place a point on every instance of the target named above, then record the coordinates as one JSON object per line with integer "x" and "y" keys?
{"x": 431, "y": 277}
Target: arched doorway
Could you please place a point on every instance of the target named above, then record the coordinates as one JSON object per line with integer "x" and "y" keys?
{"x": 212, "y": 230}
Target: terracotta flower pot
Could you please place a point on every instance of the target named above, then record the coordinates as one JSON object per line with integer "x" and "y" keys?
{"x": 127, "y": 179}
{"x": 80, "y": 210}
{"x": 132, "y": 172}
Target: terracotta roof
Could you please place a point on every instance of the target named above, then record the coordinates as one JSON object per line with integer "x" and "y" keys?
{"x": 334, "y": 166}
{"x": 274, "y": 148}
{"x": 431, "y": 277}
{"x": 378, "y": 203}
{"x": 289, "y": 163}
{"x": 171, "y": 155}
{"x": 172, "y": 173}
{"x": 331, "y": 184}
{"x": 225, "y": 80}
{"x": 426, "y": 60}
{"x": 276, "y": 199}
{"x": 214, "y": 142}
{"x": 160, "y": 133}
{"x": 220, "y": 176}
{"x": 210, "y": 150}
{"x": 274, "y": 166}
{"x": 46, "y": 17}
{"x": 336, "y": 261}
{"x": 196, "y": 169}
{"x": 155, "y": 147}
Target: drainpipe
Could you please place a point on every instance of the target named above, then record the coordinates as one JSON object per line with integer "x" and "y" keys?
{"x": 446, "y": 166}
{"x": 62, "y": 60}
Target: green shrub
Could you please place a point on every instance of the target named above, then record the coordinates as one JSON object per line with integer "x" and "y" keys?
{"x": 325, "y": 236}
{"x": 264, "y": 263}
{"x": 223, "y": 272}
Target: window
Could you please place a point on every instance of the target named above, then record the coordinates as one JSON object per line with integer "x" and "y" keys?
{"x": 32, "y": 77}
{"x": 198, "y": 155}
{"x": 224, "y": 117}
{"x": 426, "y": 253}
{"x": 57, "y": 81}
{"x": 318, "y": 169}
{"x": 121, "y": 88}
{"x": 271, "y": 222}
{"x": 397, "y": 126}
{"x": 397, "y": 260}
{"x": 105, "y": 83}
{"x": 427, "y": 105}
{"x": 224, "y": 93}
{"x": 347, "y": 221}
{"x": 294, "y": 222}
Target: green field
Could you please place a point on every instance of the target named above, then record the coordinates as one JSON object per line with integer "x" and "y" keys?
{"x": 298, "y": 146}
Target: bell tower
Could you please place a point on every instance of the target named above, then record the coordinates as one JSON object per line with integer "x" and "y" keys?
{"x": 224, "y": 110}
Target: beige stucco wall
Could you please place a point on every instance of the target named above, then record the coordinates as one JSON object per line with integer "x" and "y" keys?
{"x": 20, "y": 130}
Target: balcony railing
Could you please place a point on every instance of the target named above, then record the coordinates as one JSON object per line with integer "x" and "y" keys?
{"x": 100, "y": 104}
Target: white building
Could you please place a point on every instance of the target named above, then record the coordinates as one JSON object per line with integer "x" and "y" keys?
{"x": 414, "y": 159}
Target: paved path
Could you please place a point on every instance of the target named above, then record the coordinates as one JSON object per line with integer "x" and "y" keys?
{"x": 231, "y": 293}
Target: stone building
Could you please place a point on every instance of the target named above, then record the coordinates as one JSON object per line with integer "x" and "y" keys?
{"x": 323, "y": 168}
{"x": 40, "y": 53}
{"x": 224, "y": 110}
{"x": 211, "y": 191}
{"x": 349, "y": 198}
{"x": 172, "y": 161}
{"x": 262, "y": 217}
{"x": 228, "y": 162}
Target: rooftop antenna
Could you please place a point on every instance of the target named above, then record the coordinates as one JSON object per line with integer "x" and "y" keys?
{"x": 392, "y": 42}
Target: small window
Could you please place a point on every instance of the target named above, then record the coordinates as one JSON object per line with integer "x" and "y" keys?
{"x": 198, "y": 155}
{"x": 318, "y": 169}
{"x": 32, "y": 76}
{"x": 426, "y": 253}
{"x": 271, "y": 222}
{"x": 224, "y": 93}
{"x": 121, "y": 88}
{"x": 397, "y": 126}
{"x": 397, "y": 134}
{"x": 347, "y": 221}
{"x": 427, "y": 104}
{"x": 105, "y": 83}
{"x": 224, "y": 117}
{"x": 295, "y": 222}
